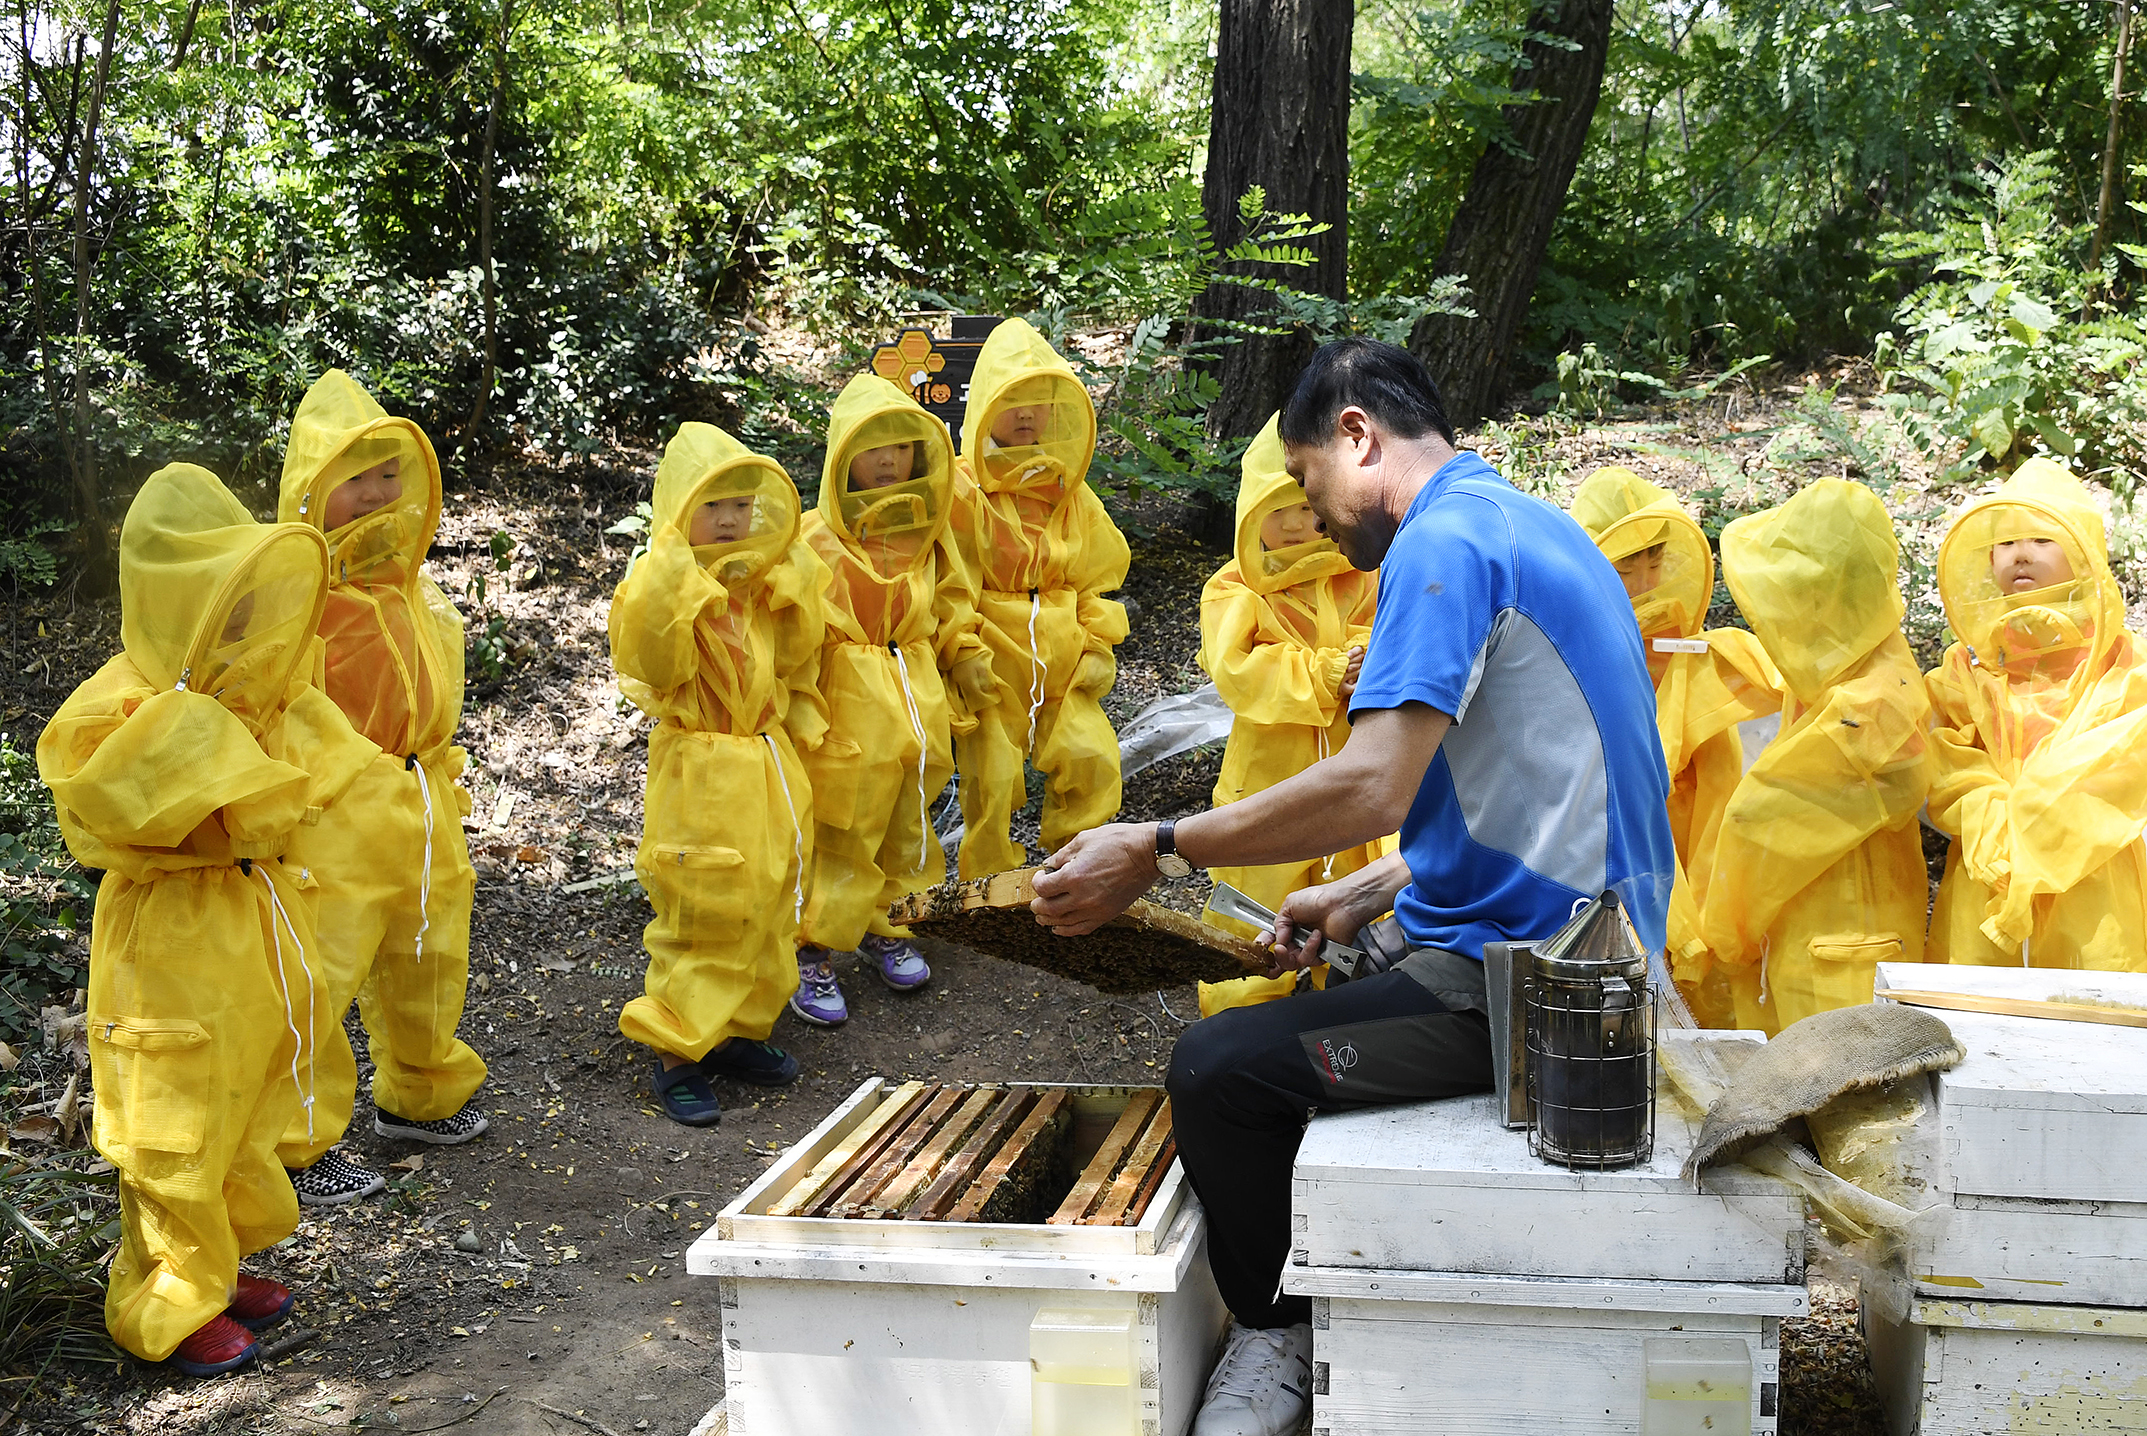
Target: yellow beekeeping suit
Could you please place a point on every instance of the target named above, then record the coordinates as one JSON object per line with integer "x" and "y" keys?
{"x": 1043, "y": 554}
{"x": 721, "y": 643}
{"x": 392, "y": 863}
{"x": 182, "y": 769}
{"x": 1706, "y": 683}
{"x": 899, "y": 611}
{"x": 1276, "y": 627}
{"x": 1818, "y": 869}
{"x": 2041, "y": 748}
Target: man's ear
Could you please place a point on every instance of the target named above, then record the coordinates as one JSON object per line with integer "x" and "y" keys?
{"x": 1359, "y": 436}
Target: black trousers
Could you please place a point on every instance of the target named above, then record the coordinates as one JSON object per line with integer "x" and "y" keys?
{"x": 1244, "y": 1083}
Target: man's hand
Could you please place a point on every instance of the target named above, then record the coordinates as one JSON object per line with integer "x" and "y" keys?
{"x": 1336, "y": 910}
{"x": 1095, "y": 877}
{"x": 1348, "y": 687}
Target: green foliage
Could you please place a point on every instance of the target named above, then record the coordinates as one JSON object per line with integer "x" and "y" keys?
{"x": 1742, "y": 164}
{"x": 2002, "y": 353}
{"x": 58, "y": 1227}
{"x": 45, "y": 901}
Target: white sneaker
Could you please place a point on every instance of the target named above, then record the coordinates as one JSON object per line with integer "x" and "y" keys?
{"x": 1263, "y": 1384}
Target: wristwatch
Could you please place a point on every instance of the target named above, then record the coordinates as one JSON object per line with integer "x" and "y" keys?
{"x": 1168, "y": 863}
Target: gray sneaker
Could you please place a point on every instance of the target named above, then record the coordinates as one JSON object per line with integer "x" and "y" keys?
{"x": 1263, "y": 1384}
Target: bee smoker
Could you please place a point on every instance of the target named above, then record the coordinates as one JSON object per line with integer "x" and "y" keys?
{"x": 1589, "y": 1041}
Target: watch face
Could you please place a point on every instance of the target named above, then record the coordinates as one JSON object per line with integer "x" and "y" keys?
{"x": 1170, "y": 865}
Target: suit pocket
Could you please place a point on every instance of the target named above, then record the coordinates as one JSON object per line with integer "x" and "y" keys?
{"x": 153, "y": 1084}
{"x": 836, "y": 773}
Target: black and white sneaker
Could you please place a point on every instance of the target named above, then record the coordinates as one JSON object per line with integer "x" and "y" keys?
{"x": 1262, "y": 1386}
{"x": 334, "y": 1180}
{"x": 447, "y": 1132}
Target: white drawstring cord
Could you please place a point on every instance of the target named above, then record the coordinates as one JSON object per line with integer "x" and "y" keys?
{"x": 1765, "y": 948}
{"x": 1326, "y": 863}
{"x": 424, "y": 881}
{"x": 797, "y": 839}
{"x": 290, "y": 1019}
{"x": 916, "y": 719}
{"x": 1036, "y": 672}
{"x": 2024, "y": 953}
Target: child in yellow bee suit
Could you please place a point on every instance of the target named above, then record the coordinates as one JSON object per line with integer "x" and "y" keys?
{"x": 1818, "y": 868}
{"x": 1706, "y": 683}
{"x": 182, "y": 769}
{"x": 899, "y": 612}
{"x": 2041, "y": 744}
{"x": 716, "y": 632}
{"x": 1282, "y": 631}
{"x": 392, "y": 862}
{"x": 1043, "y": 553}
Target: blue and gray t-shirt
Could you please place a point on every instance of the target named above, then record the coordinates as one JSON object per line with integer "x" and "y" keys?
{"x": 1498, "y": 609}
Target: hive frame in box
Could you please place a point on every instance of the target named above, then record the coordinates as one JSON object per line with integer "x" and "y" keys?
{"x": 913, "y": 1328}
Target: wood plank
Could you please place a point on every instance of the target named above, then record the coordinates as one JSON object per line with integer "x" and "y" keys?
{"x": 1977, "y": 1381}
{"x": 922, "y": 1167}
{"x": 1101, "y": 1167}
{"x": 1032, "y": 1143}
{"x": 2072, "y": 1253}
{"x": 913, "y": 1096}
{"x": 815, "y": 1181}
{"x": 2019, "y": 1007}
{"x": 896, "y": 1155}
{"x": 961, "y": 1170}
{"x": 1140, "y": 1165}
{"x": 1150, "y": 1187}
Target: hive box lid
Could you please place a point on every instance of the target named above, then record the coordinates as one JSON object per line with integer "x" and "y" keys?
{"x": 2040, "y": 1107}
{"x": 1443, "y": 1186}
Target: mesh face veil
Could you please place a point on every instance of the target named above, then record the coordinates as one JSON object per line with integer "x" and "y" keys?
{"x": 251, "y": 643}
{"x": 911, "y": 506}
{"x": 213, "y": 602}
{"x": 1061, "y": 443}
{"x": 770, "y": 519}
{"x": 1659, "y": 551}
{"x": 1266, "y": 488}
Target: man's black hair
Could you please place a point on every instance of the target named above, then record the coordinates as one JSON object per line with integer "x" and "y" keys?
{"x": 1386, "y": 381}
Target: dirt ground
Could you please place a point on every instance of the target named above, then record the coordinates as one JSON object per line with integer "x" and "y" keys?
{"x": 534, "y": 1280}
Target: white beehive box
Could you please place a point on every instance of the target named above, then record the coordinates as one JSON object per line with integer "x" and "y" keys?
{"x": 2043, "y": 1132}
{"x": 1441, "y": 1186}
{"x": 913, "y": 1328}
{"x": 1980, "y": 1368}
{"x": 1464, "y": 1286}
{"x": 1435, "y": 1354}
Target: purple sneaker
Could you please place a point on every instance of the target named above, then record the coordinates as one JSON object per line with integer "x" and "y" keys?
{"x": 818, "y": 999}
{"x": 898, "y": 962}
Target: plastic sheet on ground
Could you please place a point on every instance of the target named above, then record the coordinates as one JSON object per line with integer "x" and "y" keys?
{"x": 1173, "y": 724}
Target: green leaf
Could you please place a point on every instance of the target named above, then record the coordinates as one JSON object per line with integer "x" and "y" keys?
{"x": 1991, "y": 430}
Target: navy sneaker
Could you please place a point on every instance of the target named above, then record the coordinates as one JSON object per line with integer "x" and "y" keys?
{"x": 685, "y": 1095}
{"x": 761, "y": 1063}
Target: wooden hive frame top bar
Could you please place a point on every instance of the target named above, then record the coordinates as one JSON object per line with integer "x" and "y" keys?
{"x": 1142, "y": 949}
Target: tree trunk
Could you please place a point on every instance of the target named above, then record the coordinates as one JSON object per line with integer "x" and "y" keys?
{"x": 2105, "y": 205}
{"x": 1280, "y": 120}
{"x": 89, "y": 494}
{"x": 1504, "y": 224}
{"x": 484, "y": 219}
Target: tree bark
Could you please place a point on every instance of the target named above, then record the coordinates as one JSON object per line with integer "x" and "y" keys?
{"x": 1503, "y": 227}
{"x": 89, "y": 494}
{"x": 484, "y": 219}
{"x": 1280, "y": 120}
{"x": 2105, "y": 205}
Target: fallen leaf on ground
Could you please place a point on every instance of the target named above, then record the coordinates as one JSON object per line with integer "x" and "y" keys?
{"x": 411, "y": 1163}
